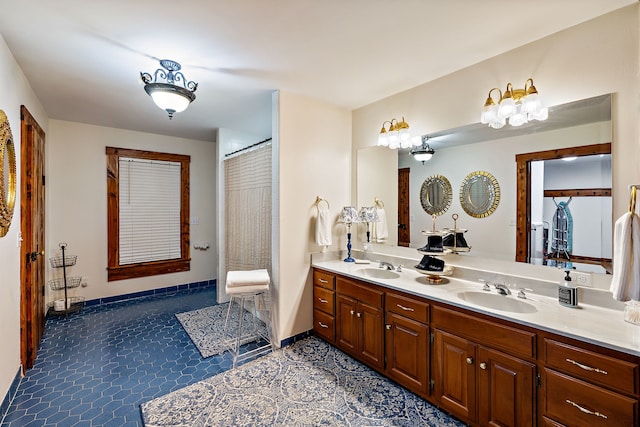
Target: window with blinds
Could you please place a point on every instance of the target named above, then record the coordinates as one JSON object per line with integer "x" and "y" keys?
{"x": 148, "y": 213}
{"x": 149, "y": 210}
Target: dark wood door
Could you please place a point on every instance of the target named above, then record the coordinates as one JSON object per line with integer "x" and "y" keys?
{"x": 506, "y": 389}
{"x": 32, "y": 208}
{"x": 407, "y": 352}
{"x": 404, "y": 230}
{"x": 454, "y": 375}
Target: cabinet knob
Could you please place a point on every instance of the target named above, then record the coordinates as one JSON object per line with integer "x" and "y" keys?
{"x": 352, "y": 312}
{"x": 359, "y": 314}
{"x": 469, "y": 360}
{"x": 388, "y": 327}
{"x": 483, "y": 365}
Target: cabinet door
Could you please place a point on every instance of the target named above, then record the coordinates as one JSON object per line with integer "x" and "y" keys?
{"x": 454, "y": 374}
{"x": 346, "y": 324}
{"x": 407, "y": 352}
{"x": 371, "y": 321}
{"x": 506, "y": 389}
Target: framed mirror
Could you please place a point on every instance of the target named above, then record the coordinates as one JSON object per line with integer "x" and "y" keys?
{"x": 7, "y": 174}
{"x": 479, "y": 194}
{"x": 435, "y": 195}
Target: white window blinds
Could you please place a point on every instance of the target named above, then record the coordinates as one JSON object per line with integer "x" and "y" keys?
{"x": 149, "y": 210}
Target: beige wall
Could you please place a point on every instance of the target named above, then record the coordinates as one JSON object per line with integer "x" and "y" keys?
{"x": 77, "y": 203}
{"x": 16, "y": 91}
{"x": 314, "y": 153}
{"x": 594, "y": 58}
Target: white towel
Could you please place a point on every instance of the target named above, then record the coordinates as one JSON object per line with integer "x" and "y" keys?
{"x": 625, "y": 284}
{"x": 323, "y": 227}
{"x": 247, "y": 281}
{"x": 380, "y": 228}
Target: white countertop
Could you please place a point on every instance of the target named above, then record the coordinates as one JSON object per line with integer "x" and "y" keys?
{"x": 591, "y": 323}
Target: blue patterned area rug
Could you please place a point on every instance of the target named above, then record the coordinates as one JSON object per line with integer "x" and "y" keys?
{"x": 309, "y": 383}
{"x": 205, "y": 327}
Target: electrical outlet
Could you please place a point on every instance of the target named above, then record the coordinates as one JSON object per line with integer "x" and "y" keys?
{"x": 84, "y": 282}
{"x": 581, "y": 279}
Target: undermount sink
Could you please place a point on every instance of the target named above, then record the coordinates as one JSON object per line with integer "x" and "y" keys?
{"x": 378, "y": 273}
{"x": 497, "y": 301}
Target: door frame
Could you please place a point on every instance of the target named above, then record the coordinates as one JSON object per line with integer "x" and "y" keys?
{"x": 31, "y": 317}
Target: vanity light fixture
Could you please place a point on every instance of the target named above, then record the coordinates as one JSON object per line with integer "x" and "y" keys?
{"x": 518, "y": 106}
{"x": 162, "y": 87}
{"x": 349, "y": 215}
{"x": 397, "y": 135}
{"x": 368, "y": 214}
{"x": 423, "y": 153}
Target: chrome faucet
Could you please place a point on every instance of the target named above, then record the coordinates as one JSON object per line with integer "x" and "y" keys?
{"x": 502, "y": 289}
{"x": 386, "y": 265}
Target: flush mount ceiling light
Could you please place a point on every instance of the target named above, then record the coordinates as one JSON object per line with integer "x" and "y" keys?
{"x": 397, "y": 135}
{"x": 423, "y": 153}
{"x": 518, "y": 106}
{"x": 162, "y": 87}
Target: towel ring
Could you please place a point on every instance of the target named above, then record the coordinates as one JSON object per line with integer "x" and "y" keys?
{"x": 378, "y": 202}
{"x": 320, "y": 199}
{"x": 632, "y": 201}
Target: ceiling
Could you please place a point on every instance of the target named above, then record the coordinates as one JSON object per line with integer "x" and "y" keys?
{"x": 83, "y": 58}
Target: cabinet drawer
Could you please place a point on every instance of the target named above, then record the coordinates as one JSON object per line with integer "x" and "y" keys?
{"x": 324, "y": 279}
{"x": 593, "y": 367}
{"x": 324, "y": 300}
{"x": 324, "y": 325}
{"x": 577, "y": 403}
{"x": 489, "y": 333}
{"x": 364, "y": 293}
{"x": 407, "y": 307}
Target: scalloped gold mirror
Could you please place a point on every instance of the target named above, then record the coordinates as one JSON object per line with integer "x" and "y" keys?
{"x": 435, "y": 195}
{"x": 479, "y": 194}
{"x": 7, "y": 174}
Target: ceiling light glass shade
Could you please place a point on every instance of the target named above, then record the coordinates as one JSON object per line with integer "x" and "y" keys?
{"x": 349, "y": 215}
{"x": 162, "y": 87}
{"x": 423, "y": 156}
{"x": 531, "y": 104}
{"x": 569, "y": 158}
{"x": 518, "y": 119}
{"x": 423, "y": 153}
{"x": 498, "y": 123}
{"x": 489, "y": 114}
{"x": 383, "y": 138}
{"x": 541, "y": 115}
{"x": 506, "y": 108}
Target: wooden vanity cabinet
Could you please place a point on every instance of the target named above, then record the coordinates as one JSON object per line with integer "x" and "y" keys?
{"x": 360, "y": 321}
{"x": 476, "y": 381}
{"x": 586, "y": 387}
{"x": 407, "y": 341}
{"x": 324, "y": 305}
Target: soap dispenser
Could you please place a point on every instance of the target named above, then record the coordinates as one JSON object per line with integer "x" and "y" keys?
{"x": 567, "y": 292}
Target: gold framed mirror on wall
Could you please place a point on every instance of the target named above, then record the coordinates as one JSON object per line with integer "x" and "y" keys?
{"x": 7, "y": 174}
{"x": 435, "y": 195}
{"x": 479, "y": 194}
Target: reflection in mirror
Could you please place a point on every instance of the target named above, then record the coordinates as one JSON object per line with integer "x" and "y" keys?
{"x": 435, "y": 195}
{"x": 479, "y": 194}
{"x": 475, "y": 147}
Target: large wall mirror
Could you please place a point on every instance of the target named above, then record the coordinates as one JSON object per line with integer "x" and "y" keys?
{"x": 476, "y": 147}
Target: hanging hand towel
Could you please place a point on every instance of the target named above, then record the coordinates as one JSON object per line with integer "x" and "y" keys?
{"x": 625, "y": 284}
{"x": 323, "y": 226}
{"x": 380, "y": 230}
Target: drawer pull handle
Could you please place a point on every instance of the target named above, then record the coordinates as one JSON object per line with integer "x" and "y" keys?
{"x": 322, "y": 300}
{"x": 585, "y": 410}
{"x": 585, "y": 367}
{"x": 405, "y": 308}
{"x": 323, "y": 281}
{"x": 322, "y": 325}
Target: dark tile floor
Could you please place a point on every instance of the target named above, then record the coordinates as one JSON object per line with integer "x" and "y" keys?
{"x": 96, "y": 367}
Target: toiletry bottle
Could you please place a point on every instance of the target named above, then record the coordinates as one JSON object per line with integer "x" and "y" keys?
{"x": 567, "y": 292}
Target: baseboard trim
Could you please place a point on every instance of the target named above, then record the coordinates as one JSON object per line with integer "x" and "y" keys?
{"x": 288, "y": 341}
{"x": 152, "y": 292}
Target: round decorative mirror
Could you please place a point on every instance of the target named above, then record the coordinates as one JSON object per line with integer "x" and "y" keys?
{"x": 435, "y": 195}
{"x": 7, "y": 174}
{"x": 479, "y": 194}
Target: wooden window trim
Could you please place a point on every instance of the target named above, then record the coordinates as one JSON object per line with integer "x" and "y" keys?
{"x": 121, "y": 272}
